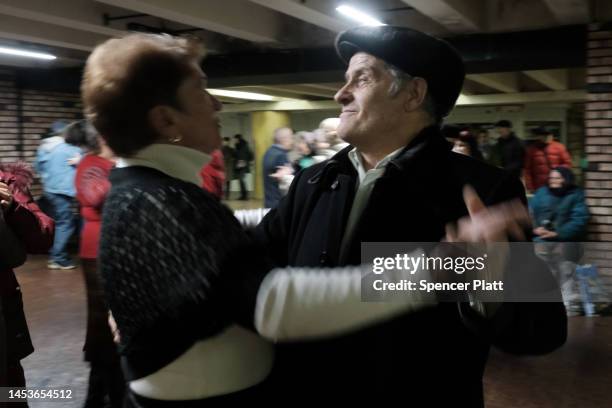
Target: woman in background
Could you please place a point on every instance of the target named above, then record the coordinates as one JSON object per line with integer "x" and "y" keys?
{"x": 305, "y": 148}
{"x": 24, "y": 228}
{"x": 560, "y": 217}
{"x": 92, "y": 186}
{"x": 213, "y": 174}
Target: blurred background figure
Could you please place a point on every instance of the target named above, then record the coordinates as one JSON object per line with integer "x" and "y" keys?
{"x": 484, "y": 143}
{"x": 276, "y": 165}
{"x": 213, "y": 175}
{"x": 243, "y": 156}
{"x": 24, "y": 228}
{"x": 228, "y": 163}
{"x": 467, "y": 144}
{"x": 544, "y": 154}
{"x": 92, "y": 186}
{"x": 509, "y": 152}
{"x": 450, "y": 132}
{"x": 305, "y": 150}
{"x": 560, "y": 218}
{"x": 330, "y": 142}
{"x": 56, "y": 161}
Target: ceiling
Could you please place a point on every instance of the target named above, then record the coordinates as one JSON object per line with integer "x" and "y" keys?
{"x": 253, "y": 34}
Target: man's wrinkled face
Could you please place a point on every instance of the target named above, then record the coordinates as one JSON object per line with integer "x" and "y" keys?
{"x": 368, "y": 110}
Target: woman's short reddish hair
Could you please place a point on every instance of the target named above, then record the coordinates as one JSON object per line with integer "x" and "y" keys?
{"x": 126, "y": 77}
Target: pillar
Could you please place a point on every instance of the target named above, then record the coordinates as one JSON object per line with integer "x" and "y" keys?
{"x": 598, "y": 143}
{"x": 263, "y": 125}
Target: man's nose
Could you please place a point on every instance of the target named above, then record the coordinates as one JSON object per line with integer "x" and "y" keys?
{"x": 343, "y": 96}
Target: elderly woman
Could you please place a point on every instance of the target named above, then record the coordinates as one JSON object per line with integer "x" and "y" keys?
{"x": 560, "y": 217}
{"x": 181, "y": 277}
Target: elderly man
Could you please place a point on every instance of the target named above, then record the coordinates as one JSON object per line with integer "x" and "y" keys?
{"x": 399, "y": 181}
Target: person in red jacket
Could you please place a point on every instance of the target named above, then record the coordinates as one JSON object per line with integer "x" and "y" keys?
{"x": 542, "y": 156}
{"x": 92, "y": 186}
{"x": 24, "y": 228}
{"x": 213, "y": 175}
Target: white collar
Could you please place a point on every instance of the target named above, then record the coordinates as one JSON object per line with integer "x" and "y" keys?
{"x": 357, "y": 161}
{"x": 179, "y": 162}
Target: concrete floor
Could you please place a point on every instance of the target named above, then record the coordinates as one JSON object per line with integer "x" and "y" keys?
{"x": 578, "y": 375}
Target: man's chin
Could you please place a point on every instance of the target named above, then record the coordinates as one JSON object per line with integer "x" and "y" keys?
{"x": 347, "y": 136}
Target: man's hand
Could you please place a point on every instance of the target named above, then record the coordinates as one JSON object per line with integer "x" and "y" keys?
{"x": 282, "y": 171}
{"x": 488, "y": 224}
{"x": 491, "y": 226}
{"x": 6, "y": 197}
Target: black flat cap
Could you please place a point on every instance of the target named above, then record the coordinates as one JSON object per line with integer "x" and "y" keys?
{"x": 503, "y": 124}
{"x": 413, "y": 52}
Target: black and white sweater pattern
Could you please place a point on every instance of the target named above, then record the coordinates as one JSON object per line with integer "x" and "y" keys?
{"x": 163, "y": 244}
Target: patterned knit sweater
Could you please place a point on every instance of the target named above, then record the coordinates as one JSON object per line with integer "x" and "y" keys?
{"x": 163, "y": 244}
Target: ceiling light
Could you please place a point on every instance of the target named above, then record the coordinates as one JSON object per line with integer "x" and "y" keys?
{"x": 358, "y": 15}
{"x": 243, "y": 95}
{"x": 29, "y": 54}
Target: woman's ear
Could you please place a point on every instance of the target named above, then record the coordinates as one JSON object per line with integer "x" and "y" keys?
{"x": 415, "y": 94}
{"x": 162, "y": 120}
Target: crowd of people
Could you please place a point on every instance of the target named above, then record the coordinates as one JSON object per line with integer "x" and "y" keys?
{"x": 206, "y": 312}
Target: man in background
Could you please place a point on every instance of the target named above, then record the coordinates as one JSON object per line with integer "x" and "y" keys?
{"x": 543, "y": 155}
{"x": 509, "y": 151}
{"x": 275, "y": 158}
{"x": 243, "y": 156}
{"x": 56, "y": 161}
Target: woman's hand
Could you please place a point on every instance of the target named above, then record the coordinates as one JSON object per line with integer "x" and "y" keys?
{"x": 544, "y": 233}
{"x": 539, "y": 231}
{"x": 548, "y": 234}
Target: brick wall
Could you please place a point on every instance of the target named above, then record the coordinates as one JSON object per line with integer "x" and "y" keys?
{"x": 26, "y": 114}
{"x": 575, "y": 139}
{"x": 598, "y": 144}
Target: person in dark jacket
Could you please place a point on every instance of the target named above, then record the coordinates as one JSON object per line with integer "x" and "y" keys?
{"x": 228, "y": 165}
{"x": 509, "y": 152}
{"x": 398, "y": 181}
{"x": 560, "y": 218}
{"x": 275, "y": 158}
{"x": 243, "y": 156}
{"x": 23, "y": 229}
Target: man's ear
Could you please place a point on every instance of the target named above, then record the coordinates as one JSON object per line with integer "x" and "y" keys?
{"x": 162, "y": 119}
{"x": 415, "y": 94}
